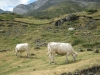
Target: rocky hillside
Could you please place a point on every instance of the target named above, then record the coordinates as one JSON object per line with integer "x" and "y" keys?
{"x": 56, "y": 9}
{"x": 38, "y": 7}
{"x": 85, "y": 39}
{"x": 21, "y": 9}
{"x": 1, "y": 11}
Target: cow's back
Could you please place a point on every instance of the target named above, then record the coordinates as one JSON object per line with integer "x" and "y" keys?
{"x": 53, "y": 45}
{"x": 60, "y": 48}
{"x": 23, "y": 46}
{"x": 64, "y": 48}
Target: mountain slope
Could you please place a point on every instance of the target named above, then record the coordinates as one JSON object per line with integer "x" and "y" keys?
{"x": 21, "y": 9}
{"x": 50, "y": 8}
{"x": 54, "y": 8}
{"x": 1, "y": 11}
{"x": 57, "y": 9}
{"x": 36, "y": 32}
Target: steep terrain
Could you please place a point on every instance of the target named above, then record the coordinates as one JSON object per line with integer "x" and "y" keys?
{"x": 57, "y": 9}
{"x": 21, "y": 9}
{"x": 1, "y": 11}
{"x": 41, "y": 7}
{"x": 16, "y": 29}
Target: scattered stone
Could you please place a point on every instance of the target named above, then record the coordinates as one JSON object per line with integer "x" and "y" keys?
{"x": 71, "y": 17}
{"x": 19, "y": 67}
{"x": 36, "y": 47}
{"x": 95, "y": 70}
{"x": 58, "y": 23}
{"x": 2, "y": 31}
{"x": 71, "y": 29}
{"x": 80, "y": 50}
{"x": 89, "y": 49}
{"x": 28, "y": 66}
{"x": 34, "y": 69}
{"x": 64, "y": 74}
{"x": 3, "y": 50}
{"x": 96, "y": 51}
{"x": 77, "y": 73}
{"x": 32, "y": 54}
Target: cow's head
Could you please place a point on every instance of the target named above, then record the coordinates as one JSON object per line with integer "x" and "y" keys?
{"x": 75, "y": 55}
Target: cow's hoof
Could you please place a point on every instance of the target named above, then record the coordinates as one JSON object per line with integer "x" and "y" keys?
{"x": 53, "y": 62}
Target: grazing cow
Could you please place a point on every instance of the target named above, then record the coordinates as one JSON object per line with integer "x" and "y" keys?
{"x": 22, "y": 47}
{"x": 60, "y": 49}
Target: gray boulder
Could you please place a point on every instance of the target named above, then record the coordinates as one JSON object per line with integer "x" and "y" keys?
{"x": 71, "y": 17}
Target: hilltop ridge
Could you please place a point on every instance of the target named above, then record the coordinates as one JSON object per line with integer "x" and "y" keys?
{"x": 41, "y": 6}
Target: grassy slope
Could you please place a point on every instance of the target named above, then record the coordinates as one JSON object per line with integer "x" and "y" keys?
{"x": 51, "y": 10}
{"x": 39, "y": 64}
{"x": 57, "y": 10}
{"x": 38, "y": 29}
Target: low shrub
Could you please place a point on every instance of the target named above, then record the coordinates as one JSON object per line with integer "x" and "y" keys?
{"x": 91, "y": 11}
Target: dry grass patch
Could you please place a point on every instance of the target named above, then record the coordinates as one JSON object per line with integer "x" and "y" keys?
{"x": 33, "y": 21}
{"x": 39, "y": 63}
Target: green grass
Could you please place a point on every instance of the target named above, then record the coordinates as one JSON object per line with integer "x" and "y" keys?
{"x": 39, "y": 29}
{"x": 40, "y": 62}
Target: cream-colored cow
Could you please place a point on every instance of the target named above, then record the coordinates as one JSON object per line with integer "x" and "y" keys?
{"x": 22, "y": 47}
{"x": 60, "y": 49}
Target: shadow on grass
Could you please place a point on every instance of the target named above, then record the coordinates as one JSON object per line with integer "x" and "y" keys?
{"x": 30, "y": 57}
{"x": 70, "y": 62}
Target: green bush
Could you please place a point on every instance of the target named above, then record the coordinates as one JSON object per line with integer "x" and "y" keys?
{"x": 19, "y": 16}
{"x": 77, "y": 41}
{"x": 87, "y": 45}
{"x": 91, "y": 11}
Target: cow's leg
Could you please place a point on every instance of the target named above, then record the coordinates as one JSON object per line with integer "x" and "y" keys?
{"x": 74, "y": 57}
{"x": 67, "y": 57}
{"x": 53, "y": 58}
{"x": 16, "y": 53}
{"x": 20, "y": 54}
{"x": 50, "y": 56}
{"x": 28, "y": 53}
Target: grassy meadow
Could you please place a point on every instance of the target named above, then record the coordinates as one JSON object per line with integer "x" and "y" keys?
{"x": 16, "y": 29}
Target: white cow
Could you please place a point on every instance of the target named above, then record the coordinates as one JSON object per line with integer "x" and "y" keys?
{"x": 61, "y": 49}
{"x": 22, "y": 47}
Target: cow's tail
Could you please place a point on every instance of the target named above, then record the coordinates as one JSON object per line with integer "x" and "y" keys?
{"x": 49, "y": 49}
{"x": 48, "y": 53}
